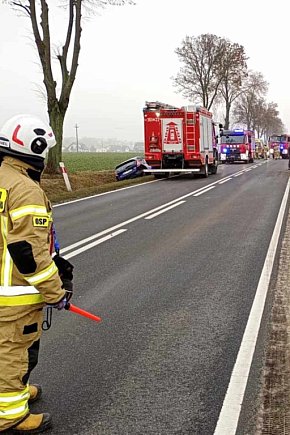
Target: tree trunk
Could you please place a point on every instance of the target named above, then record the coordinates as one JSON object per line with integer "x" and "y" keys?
{"x": 56, "y": 118}
{"x": 227, "y": 117}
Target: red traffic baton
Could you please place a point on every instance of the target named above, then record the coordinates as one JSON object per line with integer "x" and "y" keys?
{"x": 81, "y": 312}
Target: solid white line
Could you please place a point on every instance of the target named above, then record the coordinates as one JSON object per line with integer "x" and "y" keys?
{"x": 113, "y": 191}
{"x": 104, "y": 193}
{"x": 91, "y": 245}
{"x": 164, "y": 210}
{"x": 204, "y": 191}
{"x": 135, "y": 218}
{"x": 227, "y": 179}
{"x": 229, "y": 415}
{"x": 115, "y": 227}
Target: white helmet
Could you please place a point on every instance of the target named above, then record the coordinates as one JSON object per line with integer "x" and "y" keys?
{"x": 26, "y": 135}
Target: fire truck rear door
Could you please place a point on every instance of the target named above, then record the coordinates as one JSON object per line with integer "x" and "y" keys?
{"x": 172, "y": 135}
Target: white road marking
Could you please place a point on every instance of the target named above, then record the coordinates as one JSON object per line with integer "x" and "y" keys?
{"x": 224, "y": 181}
{"x": 230, "y": 412}
{"x": 91, "y": 245}
{"x": 107, "y": 193}
{"x": 164, "y": 210}
{"x": 204, "y": 191}
{"x": 135, "y": 218}
{"x": 104, "y": 193}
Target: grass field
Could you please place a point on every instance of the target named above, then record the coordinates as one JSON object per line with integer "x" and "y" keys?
{"x": 76, "y": 162}
{"x": 89, "y": 174}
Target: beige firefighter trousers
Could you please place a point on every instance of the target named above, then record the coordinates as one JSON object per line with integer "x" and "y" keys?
{"x": 17, "y": 338}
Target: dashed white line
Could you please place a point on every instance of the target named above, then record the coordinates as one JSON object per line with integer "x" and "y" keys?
{"x": 97, "y": 242}
{"x": 224, "y": 181}
{"x": 196, "y": 192}
{"x": 164, "y": 210}
{"x": 204, "y": 191}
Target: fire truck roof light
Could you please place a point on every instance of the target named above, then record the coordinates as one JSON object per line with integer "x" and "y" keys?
{"x": 158, "y": 105}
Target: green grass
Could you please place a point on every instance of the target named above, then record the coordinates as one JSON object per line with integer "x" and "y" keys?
{"x": 76, "y": 162}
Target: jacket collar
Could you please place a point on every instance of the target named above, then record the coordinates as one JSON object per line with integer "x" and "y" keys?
{"x": 22, "y": 167}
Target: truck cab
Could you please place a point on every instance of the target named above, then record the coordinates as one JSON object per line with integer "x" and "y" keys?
{"x": 237, "y": 145}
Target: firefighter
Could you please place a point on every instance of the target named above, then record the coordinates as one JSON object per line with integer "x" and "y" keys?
{"x": 272, "y": 152}
{"x": 276, "y": 153}
{"x": 257, "y": 151}
{"x": 30, "y": 277}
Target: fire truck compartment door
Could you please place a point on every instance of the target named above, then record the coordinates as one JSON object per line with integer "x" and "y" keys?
{"x": 172, "y": 135}
{"x": 206, "y": 134}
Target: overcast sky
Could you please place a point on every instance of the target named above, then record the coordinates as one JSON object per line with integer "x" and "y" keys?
{"x": 127, "y": 57}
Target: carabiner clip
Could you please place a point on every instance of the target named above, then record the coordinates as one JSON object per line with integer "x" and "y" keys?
{"x": 46, "y": 324}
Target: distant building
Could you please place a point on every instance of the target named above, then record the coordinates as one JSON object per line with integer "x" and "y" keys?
{"x": 74, "y": 147}
{"x": 138, "y": 147}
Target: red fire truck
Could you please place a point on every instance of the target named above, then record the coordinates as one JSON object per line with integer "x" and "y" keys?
{"x": 237, "y": 145}
{"x": 179, "y": 140}
{"x": 280, "y": 143}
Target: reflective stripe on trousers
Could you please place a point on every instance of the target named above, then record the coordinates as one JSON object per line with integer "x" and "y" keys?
{"x": 19, "y": 344}
{"x": 14, "y": 405}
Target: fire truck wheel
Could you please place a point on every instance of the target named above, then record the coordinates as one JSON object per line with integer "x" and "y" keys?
{"x": 214, "y": 167}
{"x": 204, "y": 171}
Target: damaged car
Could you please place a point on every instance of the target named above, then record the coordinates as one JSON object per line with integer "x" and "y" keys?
{"x": 131, "y": 168}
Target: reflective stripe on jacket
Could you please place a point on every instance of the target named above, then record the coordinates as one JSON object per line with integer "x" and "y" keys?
{"x": 25, "y": 215}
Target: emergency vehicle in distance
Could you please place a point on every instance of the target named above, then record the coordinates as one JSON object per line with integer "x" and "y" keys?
{"x": 179, "y": 140}
{"x": 237, "y": 145}
{"x": 280, "y": 143}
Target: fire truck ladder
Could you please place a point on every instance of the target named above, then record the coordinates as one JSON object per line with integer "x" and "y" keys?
{"x": 189, "y": 131}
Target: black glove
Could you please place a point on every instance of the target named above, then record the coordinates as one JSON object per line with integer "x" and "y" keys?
{"x": 61, "y": 304}
{"x": 65, "y": 271}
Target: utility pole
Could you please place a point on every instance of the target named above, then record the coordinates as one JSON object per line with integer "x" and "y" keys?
{"x": 77, "y": 138}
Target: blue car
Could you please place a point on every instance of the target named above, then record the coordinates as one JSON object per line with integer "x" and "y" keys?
{"x": 131, "y": 168}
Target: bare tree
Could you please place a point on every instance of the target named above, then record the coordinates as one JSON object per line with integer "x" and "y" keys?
{"x": 270, "y": 121}
{"x": 202, "y": 72}
{"x": 234, "y": 69}
{"x": 245, "y": 108}
{"x": 68, "y": 57}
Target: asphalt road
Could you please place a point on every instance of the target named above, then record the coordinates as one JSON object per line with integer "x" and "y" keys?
{"x": 174, "y": 290}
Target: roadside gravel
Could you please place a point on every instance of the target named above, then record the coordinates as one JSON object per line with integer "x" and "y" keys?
{"x": 274, "y": 414}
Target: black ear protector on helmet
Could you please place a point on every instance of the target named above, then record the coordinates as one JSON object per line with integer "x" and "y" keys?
{"x": 38, "y": 145}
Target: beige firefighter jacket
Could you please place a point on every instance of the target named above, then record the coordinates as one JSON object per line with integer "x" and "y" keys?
{"x": 25, "y": 215}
